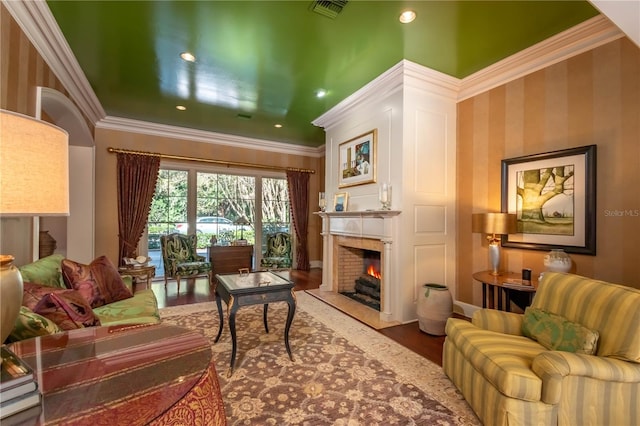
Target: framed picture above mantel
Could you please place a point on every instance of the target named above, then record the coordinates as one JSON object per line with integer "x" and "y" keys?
{"x": 357, "y": 160}
{"x": 553, "y": 195}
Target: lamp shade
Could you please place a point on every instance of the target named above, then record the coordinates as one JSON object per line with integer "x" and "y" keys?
{"x": 494, "y": 223}
{"x": 34, "y": 167}
{"x": 242, "y": 220}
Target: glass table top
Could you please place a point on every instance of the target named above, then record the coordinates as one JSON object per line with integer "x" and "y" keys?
{"x": 252, "y": 280}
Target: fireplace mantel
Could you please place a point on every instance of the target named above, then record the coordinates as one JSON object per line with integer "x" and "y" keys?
{"x": 366, "y": 213}
{"x": 361, "y": 228}
{"x": 366, "y": 224}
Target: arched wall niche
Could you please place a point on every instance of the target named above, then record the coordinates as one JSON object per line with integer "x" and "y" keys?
{"x": 65, "y": 115}
{"x": 74, "y": 234}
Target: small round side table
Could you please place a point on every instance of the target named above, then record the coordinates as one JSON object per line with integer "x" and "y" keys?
{"x": 140, "y": 274}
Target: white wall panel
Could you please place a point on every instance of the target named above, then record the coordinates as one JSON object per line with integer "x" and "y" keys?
{"x": 80, "y": 225}
{"x": 430, "y": 219}
{"x": 430, "y": 161}
{"x": 430, "y": 266}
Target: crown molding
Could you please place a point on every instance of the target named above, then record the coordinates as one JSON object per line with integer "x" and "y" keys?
{"x": 420, "y": 77}
{"x": 194, "y": 135}
{"x": 581, "y": 38}
{"x": 382, "y": 86}
{"x": 404, "y": 73}
{"x": 40, "y": 27}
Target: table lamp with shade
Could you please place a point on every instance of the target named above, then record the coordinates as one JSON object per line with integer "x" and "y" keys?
{"x": 34, "y": 181}
{"x": 242, "y": 221}
{"x": 494, "y": 225}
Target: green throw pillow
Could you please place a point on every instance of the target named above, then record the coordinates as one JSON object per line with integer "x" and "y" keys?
{"x": 558, "y": 333}
{"x": 29, "y": 324}
{"x": 45, "y": 271}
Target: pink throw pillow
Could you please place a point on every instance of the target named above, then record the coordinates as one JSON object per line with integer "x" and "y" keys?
{"x": 99, "y": 282}
{"x": 33, "y": 293}
{"x": 68, "y": 309}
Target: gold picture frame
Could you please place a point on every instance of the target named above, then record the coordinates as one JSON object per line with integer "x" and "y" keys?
{"x": 357, "y": 160}
{"x": 341, "y": 202}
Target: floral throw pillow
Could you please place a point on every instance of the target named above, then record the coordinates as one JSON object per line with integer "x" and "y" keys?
{"x": 99, "y": 282}
{"x": 67, "y": 309}
{"x": 558, "y": 333}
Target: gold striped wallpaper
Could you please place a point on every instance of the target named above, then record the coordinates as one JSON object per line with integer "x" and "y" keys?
{"x": 592, "y": 98}
{"x": 23, "y": 69}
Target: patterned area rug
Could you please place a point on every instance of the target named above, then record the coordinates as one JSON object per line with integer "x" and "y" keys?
{"x": 343, "y": 373}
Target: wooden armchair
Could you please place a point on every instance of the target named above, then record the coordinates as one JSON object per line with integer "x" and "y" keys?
{"x": 181, "y": 259}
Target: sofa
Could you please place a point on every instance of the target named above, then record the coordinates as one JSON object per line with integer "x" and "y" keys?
{"x": 134, "y": 307}
{"x": 572, "y": 357}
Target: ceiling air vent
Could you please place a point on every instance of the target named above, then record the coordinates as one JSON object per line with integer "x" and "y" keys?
{"x": 328, "y": 8}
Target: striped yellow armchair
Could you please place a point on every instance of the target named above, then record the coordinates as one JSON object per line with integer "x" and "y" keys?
{"x": 573, "y": 357}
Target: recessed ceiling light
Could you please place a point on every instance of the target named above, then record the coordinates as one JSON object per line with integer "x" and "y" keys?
{"x": 277, "y": 125}
{"x": 181, "y": 107}
{"x": 188, "y": 57}
{"x": 407, "y": 16}
{"x": 321, "y": 93}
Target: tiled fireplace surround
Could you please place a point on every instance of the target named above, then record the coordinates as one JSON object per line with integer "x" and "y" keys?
{"x": 344, "y": 231}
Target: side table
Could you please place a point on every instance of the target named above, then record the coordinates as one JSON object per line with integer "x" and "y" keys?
{"x": 501, "y": 283}
{"x": 139, "y": 273}
{"x": 253, "y": 288}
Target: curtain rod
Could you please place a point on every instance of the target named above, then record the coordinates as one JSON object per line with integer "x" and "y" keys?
{"x": 207, "y": 160}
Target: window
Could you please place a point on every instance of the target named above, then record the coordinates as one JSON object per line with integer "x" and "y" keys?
{"x": 276, "y": 214}
{"x": 209, "y": 203}
{"x": 222, "y": 200}
{"x": 169, "y": 206}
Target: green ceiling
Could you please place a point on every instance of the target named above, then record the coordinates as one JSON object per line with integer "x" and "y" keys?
{"x": 265, "y": 59}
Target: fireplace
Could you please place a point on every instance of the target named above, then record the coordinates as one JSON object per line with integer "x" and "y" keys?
{"x": 358, "y": 253}
{"x": 359, "y": 275}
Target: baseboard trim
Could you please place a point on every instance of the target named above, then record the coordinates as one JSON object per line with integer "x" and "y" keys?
{"x": 465, "y": 309}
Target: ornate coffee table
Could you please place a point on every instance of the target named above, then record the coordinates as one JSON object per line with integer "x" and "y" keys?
{"x": 253, "y": 288}
{"x": 146, "y": 374}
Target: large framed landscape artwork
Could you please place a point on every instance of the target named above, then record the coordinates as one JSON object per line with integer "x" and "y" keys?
{"x": 357, "y": 160}
{"x": 553, "y": 195}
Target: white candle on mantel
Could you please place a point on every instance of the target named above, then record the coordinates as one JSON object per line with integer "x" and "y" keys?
{"x": 384, "y": 193}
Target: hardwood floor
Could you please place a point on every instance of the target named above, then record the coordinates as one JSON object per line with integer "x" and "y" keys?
{"x": 196, "y": 291}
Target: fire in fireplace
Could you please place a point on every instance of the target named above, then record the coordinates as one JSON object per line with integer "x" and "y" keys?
{"x": 366, "y": 288}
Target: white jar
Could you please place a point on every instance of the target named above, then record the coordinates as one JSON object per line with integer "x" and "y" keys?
{"x": 557, "y": 261}
{"x": 435, "y": 306}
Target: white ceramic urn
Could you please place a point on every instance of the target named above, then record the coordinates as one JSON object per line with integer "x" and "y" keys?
{"x": 435, "y": 306}
{"x": 557, "y": 261}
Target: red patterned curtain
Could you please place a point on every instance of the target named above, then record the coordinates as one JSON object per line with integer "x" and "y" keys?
{"x": 137, "y": 176}
{"x": 298, "y": 186}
